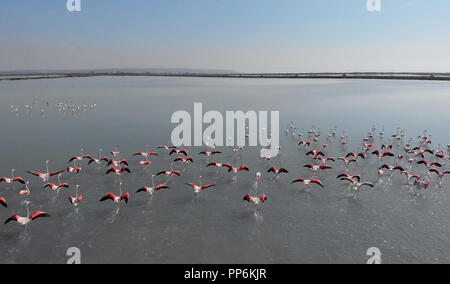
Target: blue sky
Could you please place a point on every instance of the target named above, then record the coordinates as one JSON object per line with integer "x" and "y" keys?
{"x": 242, "y": 35}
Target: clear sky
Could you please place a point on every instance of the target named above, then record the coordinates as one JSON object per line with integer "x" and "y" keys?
{"x": 242, "y": 35}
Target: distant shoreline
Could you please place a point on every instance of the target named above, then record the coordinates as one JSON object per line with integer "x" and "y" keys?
{"x": 354, "y": 75}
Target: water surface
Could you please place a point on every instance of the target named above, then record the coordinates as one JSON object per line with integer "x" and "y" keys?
{"x": 174, "y": 226}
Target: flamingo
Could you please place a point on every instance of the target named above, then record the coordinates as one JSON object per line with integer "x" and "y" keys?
{"x": 216, "y": 164}
{"x": 198, "y": 188}
{"x": 411, "y": 176}
{"x": 351, "y": 154}
{"x": 348, "y": 162}
{"x": 169, "y": 173}
{"x": 145, "y": 163}
{"x": 151, "y": 190}
{"x": 391, "y": 168}
{"x": 316, "y": 168}
{"x": 25, "y": 190}
{"x": 75, "y": 169}
{"x": 30, "y": 217}
{"x": 277, "y": 172}
{"x": 439, "y": 173}
{"x": 12, "y": 178}
{"x": 116, "y": 199}
{"x": 342, "y": 175}
{"x": 209, "y": 153}
{"x": 184, "y": 160}
{"x": 117, "y": 163}
{"x": 421, "y": 184}
{"x": 45, "y": 176}
{"x": 315, "y": 153}
{"x": 324, "y": 161}
{"x": 309, "y": 182}
{"x": 178, "y": 152}
{"x": 388, "y": 148}
{"x": 118, "y": 172}
{"x": 429, "y": 165}
{"x": 145, "y": 154}
{"x": 115, "y": 153}
{"x": 79, "y": 158}
{"x": 75, "y": 200}
{"x": 165, "y": 147}
{"x": 243, "y": 167}
{"x": 305, "y": 143}
{"x": 99, "y": 160}
{"x": 58, "y": 187}
{"x": 356, "y": 184}
{"x": 255, "y": 200}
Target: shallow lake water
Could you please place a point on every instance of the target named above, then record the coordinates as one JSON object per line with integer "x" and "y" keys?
{"x": 294, "y": 225}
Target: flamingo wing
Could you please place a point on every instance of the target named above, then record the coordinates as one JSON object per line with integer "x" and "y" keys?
{"x": 400, "y": 168}
{"x": 244, "y": 168}
{"x": 108, "y": 196}
{"x": 349, "y": 179}
{"x": 55, "y": 173}
{"x": 385, "y": 166}
{"x": 19, "y": 179}
{"x": 343, "y": 175}
{"x": 3, "y": 202}
{"x": 193, "y": 185}
{"x": 12, "y": 218}
{"x": 316, "y": 181}
{"x": 263, "y": 198}
{"x": 434, "y": 170}
{"x": 161, "y": 186}
{"x": 161, "y": 172}
{"x": 38, "y": 174}
{"x": 144, "y": 188}
{"x": 125, "y": 169}
{"x": 436, "y": 164}
{"x": 125, "y": 197}
{"x": 111, "y": 169}
{"x": 357, "y": 177}
{"x": 247, "y": 198}
{"x": 298, "y": 180}
{"x": 208, "y": 186}
{"x": 272, "y": 169}
{"x": 38, "y": 214}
